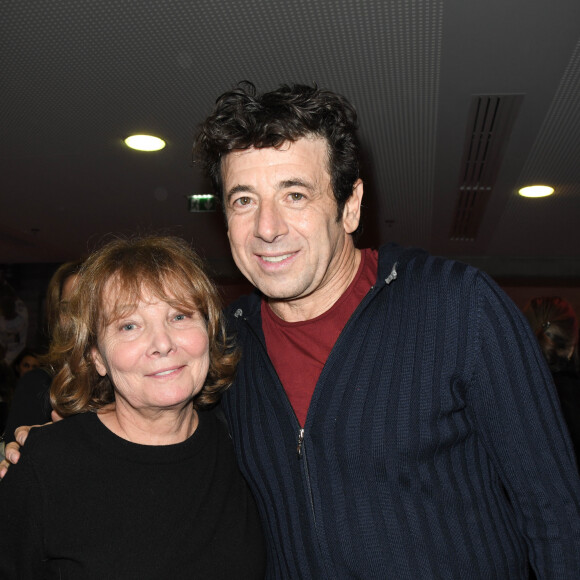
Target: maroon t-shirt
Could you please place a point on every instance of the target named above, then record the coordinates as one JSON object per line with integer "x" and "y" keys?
{"x": 299, "y": 350}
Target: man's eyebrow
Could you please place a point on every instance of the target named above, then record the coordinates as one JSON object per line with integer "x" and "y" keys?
{"x": 288, "y": 183}
{"x": 285, "y": 184}
{"x": 239, "y": 189}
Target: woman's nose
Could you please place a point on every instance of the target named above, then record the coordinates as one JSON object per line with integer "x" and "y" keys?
{"x": 162, "y": 342}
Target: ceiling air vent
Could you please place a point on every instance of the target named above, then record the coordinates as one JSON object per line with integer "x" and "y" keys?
{"x": 490, "y": 122}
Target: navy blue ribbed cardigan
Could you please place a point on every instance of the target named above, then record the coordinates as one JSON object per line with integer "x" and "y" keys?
{"x": 433, "y": 446}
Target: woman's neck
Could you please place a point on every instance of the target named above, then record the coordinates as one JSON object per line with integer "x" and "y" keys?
{"x": 150, "y": 426}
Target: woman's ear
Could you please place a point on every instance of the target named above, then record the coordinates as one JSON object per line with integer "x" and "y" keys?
{"x": 98, "y": 361}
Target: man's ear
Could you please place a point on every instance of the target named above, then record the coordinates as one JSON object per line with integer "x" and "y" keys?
{"x": 98, "y": 361}
{"x": 351, "y": 213}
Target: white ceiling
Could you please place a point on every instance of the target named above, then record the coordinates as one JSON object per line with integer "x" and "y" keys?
{"x": 76, "y": 76}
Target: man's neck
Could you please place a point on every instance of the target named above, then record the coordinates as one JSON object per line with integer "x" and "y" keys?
{"x": 323, "y": 298}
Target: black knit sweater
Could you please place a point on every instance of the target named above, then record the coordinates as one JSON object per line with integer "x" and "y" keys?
{"x": 84, "y": 503}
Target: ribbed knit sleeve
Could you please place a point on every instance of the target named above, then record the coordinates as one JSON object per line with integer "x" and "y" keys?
{"x": 516, "y": 414}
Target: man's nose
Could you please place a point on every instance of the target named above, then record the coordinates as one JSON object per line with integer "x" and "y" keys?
{"x": 270, "y": 222}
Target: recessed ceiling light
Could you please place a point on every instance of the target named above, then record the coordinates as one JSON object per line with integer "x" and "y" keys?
{"x": 144, "y": 142}
{"x": 536, "y": 191}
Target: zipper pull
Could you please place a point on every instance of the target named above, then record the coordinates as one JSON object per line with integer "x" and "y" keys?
{"x": 300, "y": 440}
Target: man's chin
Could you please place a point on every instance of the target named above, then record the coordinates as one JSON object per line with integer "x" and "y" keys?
{"x": 277, "y": 292}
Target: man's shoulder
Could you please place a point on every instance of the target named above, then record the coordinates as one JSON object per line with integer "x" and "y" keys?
{"x": 395, "y": 259}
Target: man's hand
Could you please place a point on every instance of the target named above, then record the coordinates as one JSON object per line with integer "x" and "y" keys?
{"x": 54, "y": 416}
{"x": 12, "y": 453}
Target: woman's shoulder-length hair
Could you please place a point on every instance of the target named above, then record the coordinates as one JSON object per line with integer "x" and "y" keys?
{"x": 167, "y": 268}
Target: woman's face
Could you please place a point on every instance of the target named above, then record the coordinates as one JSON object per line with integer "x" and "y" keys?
{"x": 27, "y": 364}
{"x": 157, "y": 357}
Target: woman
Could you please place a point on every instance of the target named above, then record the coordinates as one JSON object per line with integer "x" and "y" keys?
{"x": 26, "y": 361}
{"x": 31, "y": 402}
{"x": 555, "y": 325}
{"x": 140, "y": 480}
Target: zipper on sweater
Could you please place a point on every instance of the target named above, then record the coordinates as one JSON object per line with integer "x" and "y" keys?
{"x": 301, "y": 452}
{"x": 300, "y": 448}
{"x": 300, "y": 441}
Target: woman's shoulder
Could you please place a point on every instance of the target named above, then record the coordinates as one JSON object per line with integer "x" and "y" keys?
{"x": 54, "y": 451}
{"x": 64, "y": 432}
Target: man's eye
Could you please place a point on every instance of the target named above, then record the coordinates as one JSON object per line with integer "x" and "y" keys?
{"x": 242, "y": 201}
{"x": 296, "y": 196}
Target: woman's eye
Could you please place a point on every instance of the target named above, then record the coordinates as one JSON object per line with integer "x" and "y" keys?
{"x": 128, "y": 326}
{"x": 179, "y": 317}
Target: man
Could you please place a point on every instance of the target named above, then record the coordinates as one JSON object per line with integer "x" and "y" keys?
{"x": 391, "y": 412}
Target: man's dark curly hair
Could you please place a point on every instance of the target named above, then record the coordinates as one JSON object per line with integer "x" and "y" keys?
{"x": 242, "y": 119}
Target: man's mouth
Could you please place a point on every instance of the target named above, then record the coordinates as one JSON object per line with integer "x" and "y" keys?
{"x": 274, "y": 259}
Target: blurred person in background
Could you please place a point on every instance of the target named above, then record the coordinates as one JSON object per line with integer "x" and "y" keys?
{"x": 26, "y": 361}
{"x": 555, "y": 325}
{"x": 13, "y": 321}
{"x": 7, "y": 383}
{"x": 31, "y": 402}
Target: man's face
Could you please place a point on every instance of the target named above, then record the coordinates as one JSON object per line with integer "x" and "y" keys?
{"x": 282, "y": 219}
